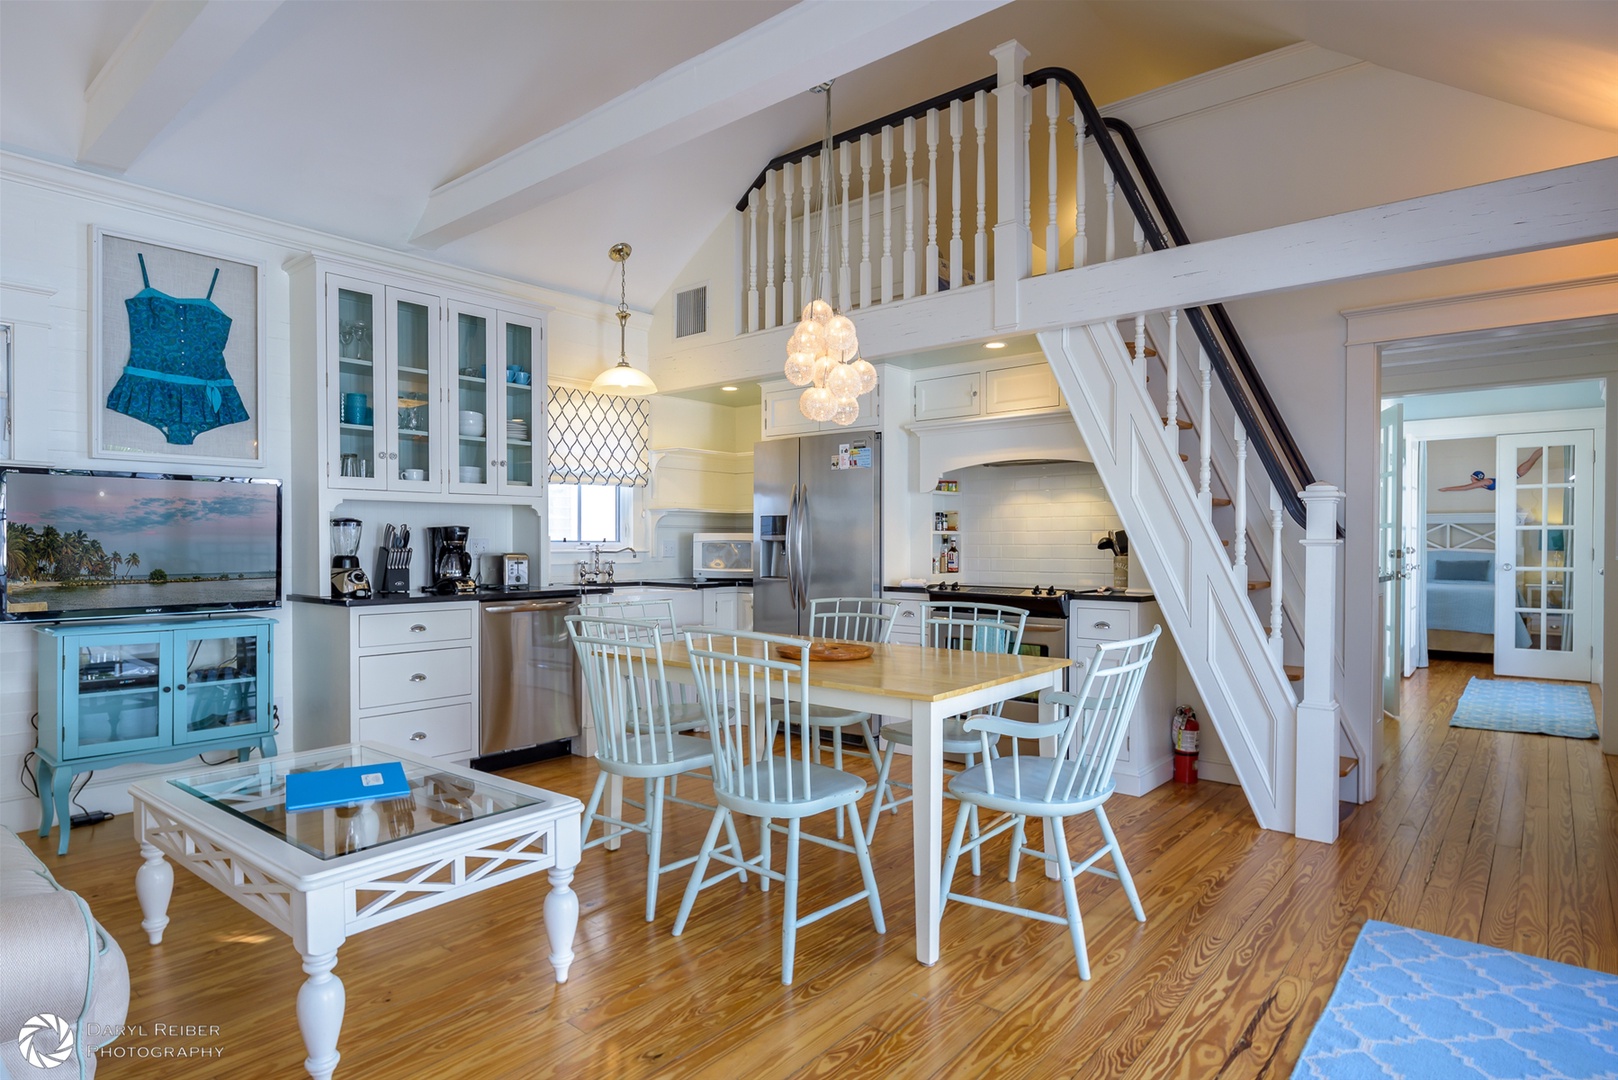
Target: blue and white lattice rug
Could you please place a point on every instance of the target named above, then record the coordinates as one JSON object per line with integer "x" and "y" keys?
{"x": 1410, "y": 1004}
{"x": 1535, "y": 708}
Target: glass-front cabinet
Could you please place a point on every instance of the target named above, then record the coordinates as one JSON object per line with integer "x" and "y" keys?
{"x": 110, "y": 694}
{"x": 499, "y": 375}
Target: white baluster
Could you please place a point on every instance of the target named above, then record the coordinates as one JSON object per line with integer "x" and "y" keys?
{"x": 980, "y": 242}
{"x": 750, "y": 315}
{"x": 823, "y": 287}
{"x": 865, "y": 220}
{"x": 1139, "y": 350}
{"x": 887, "y": 214}
{"x": 1053, "y": 244}
{"x": 845, "y": 275}
{"x": 789, "y": 295}
{"x": 1140, "y": 238}
{"x": 955, "y": 252}
{"x": 1171, "y": 366}
{"x": 1205, "y": 437}
{"x": 930, "y": 256}
{"x": 910, "y": 208}
{"x": 1112, "y": 222}
{"x": 771, "y": 313}
{"x": 805, "y": 284}
{"x": 1080, "y": 240}
{"x": 1276, "y": 522}
{"x": 1028, "y": 166}
{"x": 1239, "y": 540}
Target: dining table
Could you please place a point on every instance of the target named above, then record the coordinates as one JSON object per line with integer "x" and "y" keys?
{"x": 925, "y": 686}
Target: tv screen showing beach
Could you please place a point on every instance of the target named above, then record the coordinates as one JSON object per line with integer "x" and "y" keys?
{"x": 87, "y": 544}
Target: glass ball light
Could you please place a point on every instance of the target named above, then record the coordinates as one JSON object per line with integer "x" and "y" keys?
{"x": 847, "y": 412}
{"x": 823, "y": 368}
{"x": 818, "y": 310}
{"x": 844, "y": 381}
{"x": 840, "y": 337}
{"x": 818, "y": 404}
{"x": 800, "y": 368}
{"x": 809, "y": 335}
{"x": 867, "y": 373}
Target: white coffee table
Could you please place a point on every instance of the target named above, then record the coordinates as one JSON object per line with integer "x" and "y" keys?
{"x": 322, "y": 875}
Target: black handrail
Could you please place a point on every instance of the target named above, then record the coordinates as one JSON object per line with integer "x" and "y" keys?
{"x": 1284, "y": 463}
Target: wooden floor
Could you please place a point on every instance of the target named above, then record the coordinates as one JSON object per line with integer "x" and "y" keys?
{"x": 1508, "y": 839}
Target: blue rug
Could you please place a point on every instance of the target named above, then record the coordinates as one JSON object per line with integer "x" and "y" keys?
{"x": 1534, "y": 708}
{"x": 1417, "y": 1005}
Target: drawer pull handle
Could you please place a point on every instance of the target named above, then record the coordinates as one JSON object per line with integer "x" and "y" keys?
{"x": 418, "y": 736}
{"x": 418, "y": 677}
{"x": 907, "y": 614}
{"x": 418, "y": 629}
{"x": 1103, "y": 625}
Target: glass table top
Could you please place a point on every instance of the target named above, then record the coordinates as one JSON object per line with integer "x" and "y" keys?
{"x": 438, "y": 799}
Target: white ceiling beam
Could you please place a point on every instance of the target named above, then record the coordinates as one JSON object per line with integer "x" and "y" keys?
{"x": 175, "y": 49}
{"x": 785, "y": 56}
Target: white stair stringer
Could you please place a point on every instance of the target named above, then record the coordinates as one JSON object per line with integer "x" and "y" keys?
{"x": 1249, "y": 700}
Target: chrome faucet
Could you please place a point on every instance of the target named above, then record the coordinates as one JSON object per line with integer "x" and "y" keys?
{"x": 597, "y": 572}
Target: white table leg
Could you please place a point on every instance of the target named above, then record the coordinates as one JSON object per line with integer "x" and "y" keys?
{"x": 561, "y": 919}
{"x": 927, "y": 780}
{"x": 615, "y": 807}
{"x": 154, "y": 884}
{"x": 1047, "y": 748}
{"x": 321, "y": 1000}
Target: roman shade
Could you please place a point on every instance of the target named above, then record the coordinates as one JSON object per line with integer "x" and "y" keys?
{"x": 598, "y": 438}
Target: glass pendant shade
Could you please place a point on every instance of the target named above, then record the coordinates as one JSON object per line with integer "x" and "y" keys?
{"x": 800, "y": 368}
{"x": 818, "y": 310}
{"x": 867, "y": 373}
{"x": 841, "y": 341}
{"x": 623, "y": 380}
{"x": 843, "y": 381}
{"x": 823, "y": 368}
{"x": 818, "y": 404}
{"x": 847, "y": 412}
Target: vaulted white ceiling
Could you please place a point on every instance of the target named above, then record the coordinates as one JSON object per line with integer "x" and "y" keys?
{"x": 525, "y": 138}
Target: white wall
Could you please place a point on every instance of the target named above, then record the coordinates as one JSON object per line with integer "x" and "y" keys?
{"x": 46, "y": 217}
{"x": 1033, "y": 525}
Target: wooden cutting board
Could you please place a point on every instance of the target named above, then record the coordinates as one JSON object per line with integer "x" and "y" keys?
{"x": 827, "y": 650}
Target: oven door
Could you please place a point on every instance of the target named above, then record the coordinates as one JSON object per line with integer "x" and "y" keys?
{"x": 1040, "y": 637}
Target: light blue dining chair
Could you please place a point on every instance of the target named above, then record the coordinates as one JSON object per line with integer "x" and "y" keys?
{"x": 948, "y": 624}
{"x": 622, "y": 662}
{"x": 759, "y": 721}
{"x": 1089, "y": 730}
{"x": 848, "y": 618}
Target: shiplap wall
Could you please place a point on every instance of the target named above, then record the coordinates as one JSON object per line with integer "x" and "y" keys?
{"x": 1033, "y": 525}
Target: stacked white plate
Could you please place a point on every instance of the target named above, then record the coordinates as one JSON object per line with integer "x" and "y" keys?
{"x": 517, "y": 430}
{"x": 471, "y": 474}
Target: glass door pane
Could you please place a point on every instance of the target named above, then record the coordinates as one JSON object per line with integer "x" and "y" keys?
{"x": 353, "y": 342}
{"x": 120, "y": 696}
{"x": 220, "y": 686}
{"x": 472, "y": 400}
{"x": 411, "y": 461}
{"x": 518, "y": 354}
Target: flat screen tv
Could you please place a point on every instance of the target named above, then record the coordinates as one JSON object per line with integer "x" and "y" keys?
{"x": 96, "y": 545}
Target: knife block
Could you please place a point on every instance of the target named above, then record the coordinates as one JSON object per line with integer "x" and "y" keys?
{"x": 390, "y": 578}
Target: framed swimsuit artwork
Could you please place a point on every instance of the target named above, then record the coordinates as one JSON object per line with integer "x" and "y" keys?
{"x": 177, "y": 353}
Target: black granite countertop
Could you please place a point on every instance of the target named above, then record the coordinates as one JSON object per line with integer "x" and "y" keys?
{"x": 684, "y": 583}
{"x": 1127, "y": 596}
{"x": 549, "y": 592}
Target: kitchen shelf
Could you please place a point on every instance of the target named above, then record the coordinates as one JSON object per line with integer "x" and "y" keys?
{"x": 354, "y": 361}
{"x": 358, "y": 427}
{"x": 473, "y": 378}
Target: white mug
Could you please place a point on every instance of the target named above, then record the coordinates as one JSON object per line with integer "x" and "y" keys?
{"x": 413, "y": 474}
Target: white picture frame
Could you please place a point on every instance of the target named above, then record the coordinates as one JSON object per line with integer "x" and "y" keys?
{"x": 185, "y": 280}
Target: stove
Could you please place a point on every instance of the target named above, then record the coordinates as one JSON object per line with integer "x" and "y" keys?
{"x": 1046, "y": 601}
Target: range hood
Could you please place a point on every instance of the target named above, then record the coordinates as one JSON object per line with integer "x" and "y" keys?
{"x": 945, "y": 446}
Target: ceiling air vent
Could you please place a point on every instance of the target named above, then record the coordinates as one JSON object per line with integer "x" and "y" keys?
{"x": 691, "y": 312}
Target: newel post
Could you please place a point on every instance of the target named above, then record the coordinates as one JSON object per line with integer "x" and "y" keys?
{"x": 1316, "y": 779}
{"x": 1013, "y": 243}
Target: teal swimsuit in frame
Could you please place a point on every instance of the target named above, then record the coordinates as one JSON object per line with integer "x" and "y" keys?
{"x": 176, "y": 378}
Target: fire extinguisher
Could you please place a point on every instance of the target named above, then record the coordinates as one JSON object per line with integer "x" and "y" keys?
{"x": 1185, "y": 731}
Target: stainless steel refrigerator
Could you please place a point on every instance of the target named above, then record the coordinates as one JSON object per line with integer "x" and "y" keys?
{"x": 817, "y": 525}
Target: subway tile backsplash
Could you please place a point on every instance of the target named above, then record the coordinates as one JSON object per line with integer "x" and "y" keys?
{"x": 1034, "y": 525}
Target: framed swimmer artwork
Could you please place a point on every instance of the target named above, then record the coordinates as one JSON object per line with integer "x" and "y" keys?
{"x": 176, "y": 354}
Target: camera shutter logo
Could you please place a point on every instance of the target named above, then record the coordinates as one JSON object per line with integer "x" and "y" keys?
{"x": 36, "y": 1055}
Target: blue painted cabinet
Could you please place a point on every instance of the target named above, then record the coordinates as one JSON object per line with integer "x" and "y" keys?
{"x": 113, "y": 693}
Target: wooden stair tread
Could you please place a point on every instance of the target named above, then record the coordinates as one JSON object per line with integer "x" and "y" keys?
{"x": 1179, "y": 422}
{"x": 1294, "y": 672}
{"x": 1345, "y": 765}
{"x": 1129, "y": 347}
{"x": 1217, "y": 501}
{"x": 1256, "y": 586}
{"x": 1185, "y": 457}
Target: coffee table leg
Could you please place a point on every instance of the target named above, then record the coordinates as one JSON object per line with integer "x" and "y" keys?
{"x": 154, "y": 884}
{"x": 561, "y": 919}
{"x": 321, "y": 1000}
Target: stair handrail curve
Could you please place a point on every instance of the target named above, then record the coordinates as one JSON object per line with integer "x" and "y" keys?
{"x": 1161, "y": 228}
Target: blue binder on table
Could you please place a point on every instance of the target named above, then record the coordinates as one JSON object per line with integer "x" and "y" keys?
{"x": 341, "y": 787}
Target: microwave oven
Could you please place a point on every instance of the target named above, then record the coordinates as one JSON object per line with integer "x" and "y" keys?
{"x": 721, "y": 555}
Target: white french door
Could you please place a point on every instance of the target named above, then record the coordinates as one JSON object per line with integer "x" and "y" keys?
{"x": 1390, "y": 541}
{"x": 1545, "y": 584}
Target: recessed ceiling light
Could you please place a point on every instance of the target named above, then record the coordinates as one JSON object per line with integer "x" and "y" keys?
{"x": 994, "y": 344}
{"x": 730, "y": 389}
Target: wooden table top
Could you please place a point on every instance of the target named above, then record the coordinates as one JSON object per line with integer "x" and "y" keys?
{"x": 913, "y": 672}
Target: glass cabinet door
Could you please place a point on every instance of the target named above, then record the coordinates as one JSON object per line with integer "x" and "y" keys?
{"x": 122, "y": 684}
{"x": 519, "y": 341}
{"x": 216, "y": 690}
{"x": 413, "y": 359}
{"x": 474, "y": 405}
{"x": 352, "y": 337}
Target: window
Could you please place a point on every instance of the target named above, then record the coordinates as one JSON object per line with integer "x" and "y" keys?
{"x": 587, "y": 513}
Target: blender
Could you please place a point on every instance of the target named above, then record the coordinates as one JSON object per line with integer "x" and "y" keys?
{"x": 348, "y": 581}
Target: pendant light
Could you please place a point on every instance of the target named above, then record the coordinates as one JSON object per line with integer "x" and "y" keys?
{"x": 621, "y": 379}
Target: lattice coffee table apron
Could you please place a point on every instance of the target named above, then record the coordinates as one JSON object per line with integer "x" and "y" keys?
{"x": 322, "y": 875}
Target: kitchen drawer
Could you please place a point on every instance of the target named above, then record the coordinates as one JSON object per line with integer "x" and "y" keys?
{"x": 1100, "y": 623}
{"x": 447, "y": 731}
{"x": 417, "y": 625}
{"x": 403, "y": 678}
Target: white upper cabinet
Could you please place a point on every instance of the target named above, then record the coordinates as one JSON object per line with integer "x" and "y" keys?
{"x": 783, "y": 418}
{"x": 1025, "y": 388}
{"x": 948, "y": 396}
{"x": 498, "y": 402}
{"x": 985, "y": 390}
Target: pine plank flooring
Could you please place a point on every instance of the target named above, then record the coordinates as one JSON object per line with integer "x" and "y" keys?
{"x": 1503, "y": 838}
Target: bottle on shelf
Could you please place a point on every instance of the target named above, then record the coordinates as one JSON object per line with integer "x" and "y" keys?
{"x": 952, "y": 559}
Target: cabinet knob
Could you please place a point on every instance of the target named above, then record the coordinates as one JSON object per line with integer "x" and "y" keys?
{"x": 418, "y": 736}
{"x": 166, "y": 689}
{"x": 418, "y": 628}
{"x": 180, "y": 686}
{"x": 418, "y": 677}
{"x": 1103, "y": 625}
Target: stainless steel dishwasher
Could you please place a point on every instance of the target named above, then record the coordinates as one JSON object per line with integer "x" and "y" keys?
{"x": 529, "y": 680}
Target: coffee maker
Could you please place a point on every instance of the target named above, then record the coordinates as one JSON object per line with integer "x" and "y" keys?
{"x": 452, "y": 563}
{"x": 348, "y": 581}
